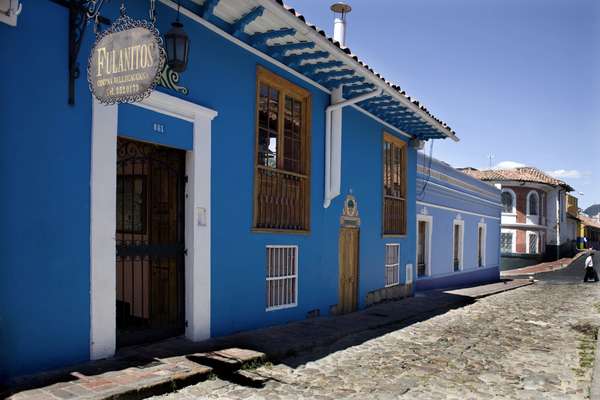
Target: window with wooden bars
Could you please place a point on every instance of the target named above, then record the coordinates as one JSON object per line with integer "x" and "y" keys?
{"x": 394, "y": 186}
{"x": 282, "y": 170}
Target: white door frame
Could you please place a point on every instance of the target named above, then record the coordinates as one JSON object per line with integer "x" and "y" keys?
{"x": 103, "y": 182}
{"x": 428, "y": 219}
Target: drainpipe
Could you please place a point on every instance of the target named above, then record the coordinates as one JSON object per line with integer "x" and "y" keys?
{"x": 333, "y": 114}
{"x": 558, "y": 225}
{"x": 333, "y": 143}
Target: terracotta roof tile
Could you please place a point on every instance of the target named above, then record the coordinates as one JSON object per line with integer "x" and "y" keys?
{"x": 522, "y": 174}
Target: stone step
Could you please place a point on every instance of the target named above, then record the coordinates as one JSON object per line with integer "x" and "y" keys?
{"x": 228, "y": 360}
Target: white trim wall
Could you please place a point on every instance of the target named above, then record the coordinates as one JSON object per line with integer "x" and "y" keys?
{"x": 424, "y": 203}
{"x": 428, "y": 219}
{"x": 461, "y": 243}
{"x": 103, "y": 224}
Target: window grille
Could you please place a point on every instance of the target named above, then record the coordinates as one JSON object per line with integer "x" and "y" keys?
{"x": 392, "y": 264}
{"x": 282, "y": 277}
{"x": 506, "y": 239}
{"x": 533, "y": 243}
{"x": 282, "y": 179}
{"x": 394, "y": 186}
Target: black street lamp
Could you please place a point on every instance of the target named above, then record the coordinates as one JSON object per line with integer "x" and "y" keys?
{"x": 177, "y": 45}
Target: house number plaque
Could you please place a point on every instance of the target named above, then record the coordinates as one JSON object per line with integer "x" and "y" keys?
{"x": 126, "y": 61}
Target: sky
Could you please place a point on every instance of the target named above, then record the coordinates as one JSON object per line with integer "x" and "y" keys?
{"x": 516, "y": 79}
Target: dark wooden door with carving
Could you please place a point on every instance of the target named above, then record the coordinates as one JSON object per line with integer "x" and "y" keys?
{"x": 150, "y": 242}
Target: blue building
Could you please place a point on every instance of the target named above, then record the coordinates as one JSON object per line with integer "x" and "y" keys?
{"x": 457, "y": 225}
{"x": 226, "y": 200}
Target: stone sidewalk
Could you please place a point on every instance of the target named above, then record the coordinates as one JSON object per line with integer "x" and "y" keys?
{"x": 142, "y": 371}
{"x": 542, "y": 267}
{"x": 535, "y": 343}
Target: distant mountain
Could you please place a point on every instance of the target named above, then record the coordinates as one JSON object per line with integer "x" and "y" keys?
{"x": 592, "y": 210}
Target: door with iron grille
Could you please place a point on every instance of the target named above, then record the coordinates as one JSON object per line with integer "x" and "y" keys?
{"x": 150, "y": 242}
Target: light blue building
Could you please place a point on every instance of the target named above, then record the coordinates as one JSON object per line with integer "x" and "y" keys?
{"x": 458, "y": 227}
{"x": 273, "y": 180}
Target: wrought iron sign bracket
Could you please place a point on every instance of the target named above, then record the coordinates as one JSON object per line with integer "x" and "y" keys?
{"x": 78, "y": 18}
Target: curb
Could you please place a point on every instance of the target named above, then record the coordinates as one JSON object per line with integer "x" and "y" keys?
{"x": 177, "y": 373}
{"x": 508, "y": 289}
{"x": 595, "y": 385}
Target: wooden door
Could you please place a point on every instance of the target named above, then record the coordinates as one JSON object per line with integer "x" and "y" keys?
{"x": 150, "y": 242}
{"x": 348, "y": 259}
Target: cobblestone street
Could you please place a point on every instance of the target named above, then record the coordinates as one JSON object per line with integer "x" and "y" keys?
{"x": 535, "y": 342}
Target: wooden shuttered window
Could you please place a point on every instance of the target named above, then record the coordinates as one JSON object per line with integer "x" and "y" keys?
{"x": 394, "y": 186}
{"x": 282, "y": 168}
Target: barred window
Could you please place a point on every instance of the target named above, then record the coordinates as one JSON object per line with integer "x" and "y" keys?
{"x": 394, "y": 186}
{"x": 282, "y": 277}
{"x": 533, "y": 243}
{"x": 506, "y": 242}
{"x": 281, "y": 182}
{"x": 392, "y": 264}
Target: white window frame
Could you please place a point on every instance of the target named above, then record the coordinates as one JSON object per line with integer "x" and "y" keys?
{"x": 395, "y": 265}
{"x": 514, "y": 201}
{"x": 461, "y": 245}
{"x": 483, "y": 227}
{"x": 280, "y": 278}
{"x": 513, "y": 232}
{"x": 537, "y": 197}
{"x": 537, "y": 234}
{"x": 428, "y": 219}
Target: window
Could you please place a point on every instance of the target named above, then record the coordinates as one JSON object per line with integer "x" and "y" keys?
{"x": 282, "y": 277}
{"x": 281, "y": 178}
{"x": 506, "y": 242}
{"x": 507, "y": 202}
{"x": 457, "y": 247}
{"x": 481, "y": 237}
{"x": 423, "y": 244}
{"x": 394, "y": 186}
{"x": 533, "y": 243}
{"x": 532, "y": 203}
{"x": 392, "y": 264}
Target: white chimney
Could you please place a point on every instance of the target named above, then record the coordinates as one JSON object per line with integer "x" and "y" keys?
{"x": 340, "y": 11}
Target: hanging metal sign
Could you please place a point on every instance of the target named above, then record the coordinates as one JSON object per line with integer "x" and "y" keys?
{"x": 126, "y": 61}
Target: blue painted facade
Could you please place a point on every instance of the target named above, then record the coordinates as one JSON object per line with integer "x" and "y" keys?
{"x": 443, "y": 196}
{"x": 45, "y": 157}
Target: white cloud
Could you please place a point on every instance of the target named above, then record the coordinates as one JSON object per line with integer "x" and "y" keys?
{"x": 566, "y": 173}
{"x": 508, "y": 165}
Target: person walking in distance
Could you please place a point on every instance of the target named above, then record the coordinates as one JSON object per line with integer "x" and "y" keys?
{"x": 590, "y": 271}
